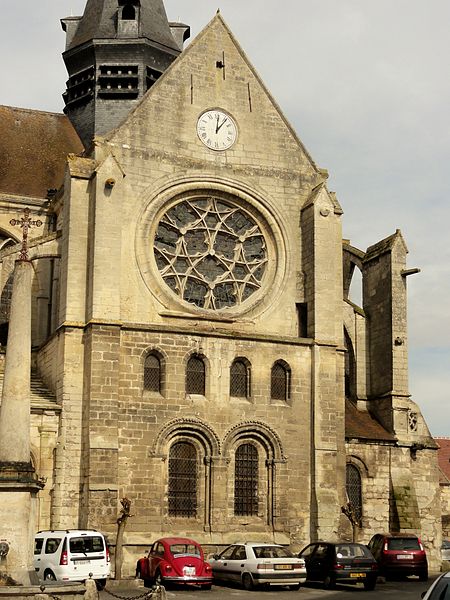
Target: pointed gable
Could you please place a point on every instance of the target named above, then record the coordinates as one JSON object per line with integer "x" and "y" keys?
{"x": 214, "y": 72}
{"x": 386, "y": 245}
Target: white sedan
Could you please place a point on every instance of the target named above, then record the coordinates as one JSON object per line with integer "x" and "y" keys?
{"x": 439, "y": 589}
{"x": 253, "y": 564}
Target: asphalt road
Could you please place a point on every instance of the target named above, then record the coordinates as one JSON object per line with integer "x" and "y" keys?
{"x": 409, "y": 589}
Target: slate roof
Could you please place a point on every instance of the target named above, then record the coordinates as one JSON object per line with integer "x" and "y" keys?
{"x": 444, "y": 459}
{"x": 360, "y": 424}
{"x": 99, "y": 22}
{"x": 33, "y": 149}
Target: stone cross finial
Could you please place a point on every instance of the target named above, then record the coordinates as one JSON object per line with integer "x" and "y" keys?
{"x": 25, "y": 222}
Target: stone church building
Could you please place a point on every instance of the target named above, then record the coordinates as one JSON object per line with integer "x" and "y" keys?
{"x": 193, "y": 344}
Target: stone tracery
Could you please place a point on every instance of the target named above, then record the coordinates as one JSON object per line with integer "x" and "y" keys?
{"x": 210, "y": 252}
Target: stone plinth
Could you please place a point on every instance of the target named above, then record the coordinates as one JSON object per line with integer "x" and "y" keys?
{"x": 18, "y": 507}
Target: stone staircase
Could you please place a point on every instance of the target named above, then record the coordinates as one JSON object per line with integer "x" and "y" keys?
{"x": 41, "y": 397}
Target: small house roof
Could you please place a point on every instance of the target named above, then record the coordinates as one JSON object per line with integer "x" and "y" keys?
{"x": 33, "y": 150}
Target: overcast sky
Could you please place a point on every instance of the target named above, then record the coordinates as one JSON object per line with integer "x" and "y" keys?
{"x": 366, "y": 86}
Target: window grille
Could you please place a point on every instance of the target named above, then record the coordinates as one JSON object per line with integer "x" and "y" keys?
{"x": 246, "y": 480}
{"x": 183, "y": 477}
{"x": 354, "y": 489}
{"x": 152, "y": 373}
{"x": 280, "y": 382}
{"x": 195, "y": 376}
{"x": 239, "y": 380}
{"x": 412, "y": 420}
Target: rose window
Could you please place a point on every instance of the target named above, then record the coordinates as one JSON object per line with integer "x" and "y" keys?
{"x": 210, "y": 252}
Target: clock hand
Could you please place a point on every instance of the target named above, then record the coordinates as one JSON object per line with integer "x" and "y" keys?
{"x": 223, "y": 123}
{"x": 217, "y": 123}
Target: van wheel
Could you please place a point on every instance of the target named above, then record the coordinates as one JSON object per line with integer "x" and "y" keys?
{"x": 100, "y": 584}
{"x": 329, "y": 583}
{"x": 49, "y": 576}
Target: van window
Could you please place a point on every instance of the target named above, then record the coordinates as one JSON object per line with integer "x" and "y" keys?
{"x": 38, "y": 545}
{"x": 86, "y": 544}
{"x": 51, "y": 546}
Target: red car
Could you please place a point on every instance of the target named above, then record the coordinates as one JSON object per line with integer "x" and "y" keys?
{"x": 175, "y": 561}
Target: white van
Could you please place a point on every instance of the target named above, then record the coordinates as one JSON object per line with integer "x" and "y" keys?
{"x": 71, "y": 555}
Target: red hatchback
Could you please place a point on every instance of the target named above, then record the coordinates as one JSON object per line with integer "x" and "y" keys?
{"x": 399, "y": 554}
{"x": 175, "y": 561}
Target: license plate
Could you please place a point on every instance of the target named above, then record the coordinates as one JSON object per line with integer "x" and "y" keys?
{"x": 357, "y": 574}
{"x": 83, "y": 562}
{"x": 404, "y": 556}
{"x": 189, "y": 571}
{"x": 283, "y": 567}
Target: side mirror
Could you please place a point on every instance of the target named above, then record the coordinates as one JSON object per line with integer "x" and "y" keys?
{"x": 215, "y": 556}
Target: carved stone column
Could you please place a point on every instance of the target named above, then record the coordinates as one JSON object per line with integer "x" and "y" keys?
{"x": 18, "y": 482}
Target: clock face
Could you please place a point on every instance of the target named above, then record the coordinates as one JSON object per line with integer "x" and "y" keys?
{"x": 216, "y": 130}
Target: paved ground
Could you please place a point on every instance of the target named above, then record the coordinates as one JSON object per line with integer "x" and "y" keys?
{"x": 409, "y": 589}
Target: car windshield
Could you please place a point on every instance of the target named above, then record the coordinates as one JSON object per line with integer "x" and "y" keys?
{"x": 403, "y": 544}
{"x": 441, "y": 591}
{"x": 85, "y": 545}
{"x": 352, "y": 551}
{"x": 446, "y": 544}
{"x": 185, "y": 549}
{"x": 271, "y": 552}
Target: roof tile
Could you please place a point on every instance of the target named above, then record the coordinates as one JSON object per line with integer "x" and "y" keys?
{"x": 33, "y": 149}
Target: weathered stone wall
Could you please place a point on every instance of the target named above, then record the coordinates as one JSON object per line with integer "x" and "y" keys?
{"x": 390, "y": 472}
{"x": 142, "y": 418}
{"x": 445, "y": 507}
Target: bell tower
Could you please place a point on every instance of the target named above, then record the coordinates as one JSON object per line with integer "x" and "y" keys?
{"x": 114, "y": 53}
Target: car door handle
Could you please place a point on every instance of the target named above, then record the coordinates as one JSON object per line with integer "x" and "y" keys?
{"x": 225, "y": 564}
{"x": 243, "y": 565}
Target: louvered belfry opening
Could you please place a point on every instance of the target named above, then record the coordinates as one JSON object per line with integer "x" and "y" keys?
{"x": 354, "y": 489}
{"x": 183, "y": 480}
{"x": 128, "y": 12}
{"x": 152, "y": 373}
{"x": 246, "y": 480}
{"x": 195, "y": 376}
{"x": 239, "y": 380}
{"x": 279, "y": 388}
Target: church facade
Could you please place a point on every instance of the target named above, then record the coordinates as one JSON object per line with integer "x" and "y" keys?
{"x": 194, "y": 347}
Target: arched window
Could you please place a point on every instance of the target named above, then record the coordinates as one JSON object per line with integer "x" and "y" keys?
{"x": 183, "y": 480}
{"x": 350, "y": 368}
{"x": 128, "y": 13}
{"x": 280, "y": 382}
{"x": 152, "y": 373}
{"x": 240, "y": 379}
{"x": 195, "y": 376}
{"x": 354, "y": 489}
{"x": 246, "y": 480}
